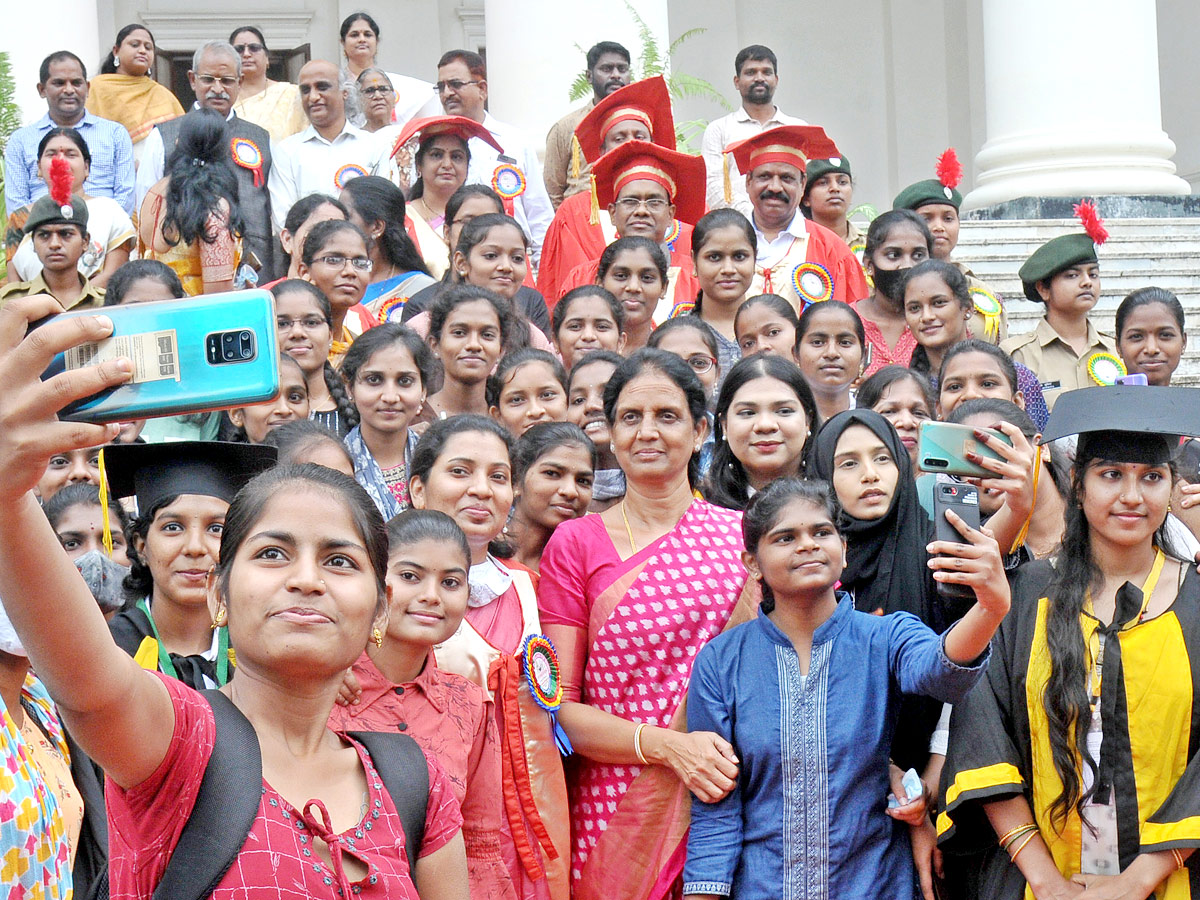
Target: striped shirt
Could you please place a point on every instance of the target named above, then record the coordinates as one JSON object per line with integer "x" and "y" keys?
{"x": 112, "y": 161}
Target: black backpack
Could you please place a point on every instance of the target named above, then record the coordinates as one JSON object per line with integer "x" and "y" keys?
{"x": 231, "y": 792}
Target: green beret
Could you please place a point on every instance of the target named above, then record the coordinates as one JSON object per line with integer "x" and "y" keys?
{"x": 46, "y": 212}
{"x": 815, "y": 168}
{"x": 925, "y": 192}
{"x": 1052, "y": 257}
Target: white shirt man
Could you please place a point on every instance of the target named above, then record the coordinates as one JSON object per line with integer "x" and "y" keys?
{"x": 756, "y": 81}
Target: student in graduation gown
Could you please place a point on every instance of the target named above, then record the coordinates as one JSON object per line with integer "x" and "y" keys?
{"x": 582, "y": 228}
{"x": 183, "y": 491}
{"x": 647, "y": 189}
{"x": 1075, "y": 761}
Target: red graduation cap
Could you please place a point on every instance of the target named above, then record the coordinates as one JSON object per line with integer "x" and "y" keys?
{"x": 647, "y": 101}
{"x": 791, "y": 144}
{"x": 458, "y": 126}
{"x": 681, "y": 176}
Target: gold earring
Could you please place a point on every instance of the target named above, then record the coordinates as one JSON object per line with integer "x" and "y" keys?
{"x": 219, "y": 619}
{"x": 377, "y": 637}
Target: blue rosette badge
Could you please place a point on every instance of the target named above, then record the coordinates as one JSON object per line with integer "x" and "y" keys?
{"x": 539, "y": 664}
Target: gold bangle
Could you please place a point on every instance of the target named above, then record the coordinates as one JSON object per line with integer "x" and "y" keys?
{"x": 1017, "y": 852}
{"x": 1180, "y": 862}
{"x": 1014, "y": 834}
{"x": 637, "y": 744}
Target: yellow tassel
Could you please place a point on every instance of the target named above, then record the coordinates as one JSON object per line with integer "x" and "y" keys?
{"x": 728, "y": 180}
{"x": 105, "y": 519}
{"x": 576, "y": 157}
{"x": 594, "y": 217}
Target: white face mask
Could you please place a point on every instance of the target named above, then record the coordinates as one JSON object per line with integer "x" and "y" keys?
{"x": 9, "y": 642}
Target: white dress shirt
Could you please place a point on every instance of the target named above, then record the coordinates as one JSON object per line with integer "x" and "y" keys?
{"x": 720, "y": 133}
{"x": 415, "y": 99}
{"x": 532, "y": 209}
{"x": 307, "y": 163}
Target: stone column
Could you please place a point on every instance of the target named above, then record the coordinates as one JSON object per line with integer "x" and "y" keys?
{"x": 72, "y": 25}
{"x": 1073, "y": 105}
{"x": 535, "y": 49}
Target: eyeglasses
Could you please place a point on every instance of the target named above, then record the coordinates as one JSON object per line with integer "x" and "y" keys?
{"x": 227, "y": 81}
{"x": 699, "y": 363}
{"x": 631, "y": 205}
{"x": 377, "y": 89}
{"x": 362, "y": 263}
{"x": 308, "y": 323}
{"x": 453, "y": 86}
{"x": 253, "y": 48}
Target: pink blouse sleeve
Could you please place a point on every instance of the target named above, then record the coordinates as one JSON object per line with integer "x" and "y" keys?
{"x": 443, "y": 817}
{"x": 145, "y": 821}
{"x": 562, "y": 597}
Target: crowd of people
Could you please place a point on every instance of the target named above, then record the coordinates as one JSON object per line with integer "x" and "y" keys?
{"x": 586, "y": 550}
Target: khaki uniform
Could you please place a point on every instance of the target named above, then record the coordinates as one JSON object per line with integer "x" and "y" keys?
{"x": 1051, "y": 358}
{"x": 978, "y": 323}
{"x": 91, "y": 298}
{"x": 556, "y": 166}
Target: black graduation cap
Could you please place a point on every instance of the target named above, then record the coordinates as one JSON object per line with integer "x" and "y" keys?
{"x": 1126, "y": 423}
{"x": 153, "y": 472}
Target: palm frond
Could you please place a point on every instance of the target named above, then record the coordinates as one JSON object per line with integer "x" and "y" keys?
{"x": 580, "y": 87}
{"x": 690, "y": 33}
{"x": 864, "y": 212}
{"x": 683, "y": 86}
{"x": 688, "y": 135}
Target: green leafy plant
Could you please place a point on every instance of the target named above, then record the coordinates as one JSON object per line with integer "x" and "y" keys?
{"x": 653, "y": 60}
{"x": 10, "y": 121}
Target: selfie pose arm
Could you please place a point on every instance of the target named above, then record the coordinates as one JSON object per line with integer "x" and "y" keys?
{"x": 120, "y": 716}
{"x": 978, "y": 565}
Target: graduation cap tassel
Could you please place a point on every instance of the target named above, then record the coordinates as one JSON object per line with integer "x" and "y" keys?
{"x": 728, "y": 180}
{"x": 594, "y": 216}
{"x": 576, "y": 157}
{"x": 105, "y": 517}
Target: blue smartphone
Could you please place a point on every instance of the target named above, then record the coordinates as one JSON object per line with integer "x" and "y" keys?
{"x": 943, "y": 448}
{"x": 192, "y": 355}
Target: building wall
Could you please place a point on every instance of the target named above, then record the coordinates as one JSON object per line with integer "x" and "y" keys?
{"x": 1178, "y": 28}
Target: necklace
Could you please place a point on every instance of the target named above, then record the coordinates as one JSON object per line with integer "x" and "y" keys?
{"x": 628, "y": 530}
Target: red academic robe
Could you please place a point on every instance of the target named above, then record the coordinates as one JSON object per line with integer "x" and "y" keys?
{"x": 800, "y": 283}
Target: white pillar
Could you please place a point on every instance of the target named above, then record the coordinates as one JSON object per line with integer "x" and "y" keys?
{"x": 533, "y": 53}
{"x": 71, "y": 25}
{"x": 1073, "y": 103}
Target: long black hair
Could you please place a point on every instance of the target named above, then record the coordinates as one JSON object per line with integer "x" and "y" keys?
{"x": 72, "y": 135}
{"x": 1066, "y": 697}
{"x": 727, "y": 484}
{"x": 472, "y": 235}
{"x": 139, "y": 583}
{"x": 415, "y": 525}
{"x": 378, "y": 200}
{"x": 383, "y": 336}
{"x": 655, "y": 361}
{"x": 763, "y": 512}
{"x": 333, "y": 381}
{"x": 200, "y": 176}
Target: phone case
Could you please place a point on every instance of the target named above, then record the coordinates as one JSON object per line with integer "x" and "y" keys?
{"x": 964, "y": 500}
{"x": 943, "y": 448}
{"x": 173, "y": 344}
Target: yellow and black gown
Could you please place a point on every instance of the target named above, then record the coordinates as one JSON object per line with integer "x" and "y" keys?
{"x": 1150, "y": 752}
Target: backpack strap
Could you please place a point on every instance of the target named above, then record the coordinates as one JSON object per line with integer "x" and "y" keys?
{"x": 229, "y": 797}
{"x": 401, "y": 764}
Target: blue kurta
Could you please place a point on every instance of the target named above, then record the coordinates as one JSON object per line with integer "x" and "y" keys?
{"x": 807, "y": 819}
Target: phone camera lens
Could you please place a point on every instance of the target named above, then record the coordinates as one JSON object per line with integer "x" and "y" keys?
{"x": 229, "y": 338}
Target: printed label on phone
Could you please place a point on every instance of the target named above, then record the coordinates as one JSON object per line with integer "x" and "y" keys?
{"x": 155, "y": 354}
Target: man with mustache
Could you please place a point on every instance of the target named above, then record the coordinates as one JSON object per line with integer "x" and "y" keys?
{"x": 756, "y": 76}
{"x": 216, "y": 79}
{"x": 607, "y": 70}
{"x": 799, "y": 260}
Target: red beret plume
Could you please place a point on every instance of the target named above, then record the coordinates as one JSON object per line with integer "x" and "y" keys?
{"x": 1092, "y": 223}
{"x": 61, "y": 181}
{"x": 949, "y": 169}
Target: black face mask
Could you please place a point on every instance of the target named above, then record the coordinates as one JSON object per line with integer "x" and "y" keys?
{"x": 888, "y": 280}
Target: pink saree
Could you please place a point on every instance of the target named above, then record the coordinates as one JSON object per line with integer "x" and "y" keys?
{"x": 629, "y": 823}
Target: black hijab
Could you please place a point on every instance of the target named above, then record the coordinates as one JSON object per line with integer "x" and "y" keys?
{"x": 886, "y": 561}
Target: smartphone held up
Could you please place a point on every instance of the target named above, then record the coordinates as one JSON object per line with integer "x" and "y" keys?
{"x": 192, "y": 355}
